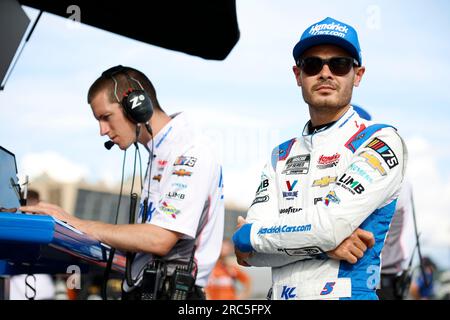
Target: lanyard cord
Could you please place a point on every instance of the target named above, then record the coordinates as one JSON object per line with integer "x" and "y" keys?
{"x": 132, "y": 220}
{"x": 113, "y": 250}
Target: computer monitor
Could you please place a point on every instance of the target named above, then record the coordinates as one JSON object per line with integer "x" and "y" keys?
{"x": 13, "y": 25}
{"x": 9, "y": 183}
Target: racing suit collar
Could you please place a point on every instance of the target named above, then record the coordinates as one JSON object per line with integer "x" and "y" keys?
{"x": 330, "y": 127}
{"x": 312, "y": 130}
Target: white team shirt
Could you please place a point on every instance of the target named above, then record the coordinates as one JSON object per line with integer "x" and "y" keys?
{"x": 186, "y": 192}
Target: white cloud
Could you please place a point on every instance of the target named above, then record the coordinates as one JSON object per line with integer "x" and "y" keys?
{"x": 54, "y": 165}
{"x": 240, "y": 185}
{"x": 431, "y": 188}
{"x": 59, "y": 109}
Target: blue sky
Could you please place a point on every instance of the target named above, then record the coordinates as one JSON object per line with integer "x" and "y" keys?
{"x": 249, "y": 102}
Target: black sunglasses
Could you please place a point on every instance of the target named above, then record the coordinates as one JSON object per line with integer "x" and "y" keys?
{"x": 339, "y": 66}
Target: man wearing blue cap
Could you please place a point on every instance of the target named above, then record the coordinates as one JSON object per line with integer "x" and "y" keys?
{"x": 323, "y": 194}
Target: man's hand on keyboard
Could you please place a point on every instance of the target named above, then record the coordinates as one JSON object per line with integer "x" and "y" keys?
{"x": 49, "y": 209}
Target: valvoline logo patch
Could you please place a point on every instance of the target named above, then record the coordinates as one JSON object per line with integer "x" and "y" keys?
{"x": 291, "y": 186}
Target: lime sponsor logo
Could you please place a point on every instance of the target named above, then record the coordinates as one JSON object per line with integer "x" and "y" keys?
{"x": 263, "y": 186}
{"x": 349, "y": 183}
{"x": 175, "y": 195}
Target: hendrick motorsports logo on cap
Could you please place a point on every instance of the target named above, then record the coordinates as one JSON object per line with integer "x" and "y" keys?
{"x": 334, "y": 29}
{"x": 332, "y": 32}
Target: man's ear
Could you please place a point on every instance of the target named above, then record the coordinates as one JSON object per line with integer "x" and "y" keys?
{"x": 358, "y": 76}
{"x": 297, "y": 73}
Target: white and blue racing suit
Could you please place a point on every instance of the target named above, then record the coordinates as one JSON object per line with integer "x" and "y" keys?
{"x": 315, "y": 191}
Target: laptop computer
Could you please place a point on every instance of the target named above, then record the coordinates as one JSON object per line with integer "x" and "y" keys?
{"x": 9, "y": 183}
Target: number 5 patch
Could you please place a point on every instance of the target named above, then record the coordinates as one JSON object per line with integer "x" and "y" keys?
{"x": 329, "y": 286}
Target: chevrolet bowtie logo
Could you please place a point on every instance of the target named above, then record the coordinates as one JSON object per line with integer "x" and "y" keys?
{"x": 374, "y": 162}
{"x": 324, "y": 181}
{"x": 182, "y": 173}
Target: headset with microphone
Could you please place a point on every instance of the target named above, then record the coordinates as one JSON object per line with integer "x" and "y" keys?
{"x": 135, "y": 102}
{"x": 109, "y": 144}
{"x": 138, "y": 108}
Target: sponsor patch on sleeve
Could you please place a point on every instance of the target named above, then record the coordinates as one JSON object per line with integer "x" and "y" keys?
{"x": 302, "y": 252}
{"x": 263, "y": 185}
{"x": 260, "y": 199}
{"x": 182, "y": 173}
{"x": 185, "y": 161}
{"x": 331, "y": 197}
{"x": 380, "y": 147}
{"x": 351, "y": 184}
{"x": 169, "y": 209}
{"x": 373, "y": 162}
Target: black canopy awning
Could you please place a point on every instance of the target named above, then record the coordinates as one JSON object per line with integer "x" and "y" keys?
{"x": 204, "y": 28}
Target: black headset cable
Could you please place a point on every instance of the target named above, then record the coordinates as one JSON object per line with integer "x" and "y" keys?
{"x": 112, "y": 252}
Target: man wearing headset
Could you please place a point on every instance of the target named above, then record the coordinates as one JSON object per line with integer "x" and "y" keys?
{"x": 342, "y": 173}
{"x": 181, "y": 215}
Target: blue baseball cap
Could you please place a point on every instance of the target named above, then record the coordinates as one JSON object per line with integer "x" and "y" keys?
{"x": 329, "y": 31}
{"x": 361, "y": 112}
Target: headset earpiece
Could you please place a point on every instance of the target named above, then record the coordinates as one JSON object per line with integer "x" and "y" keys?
{"x": 138, "y": 106}
{"x": 135, "y": 102}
